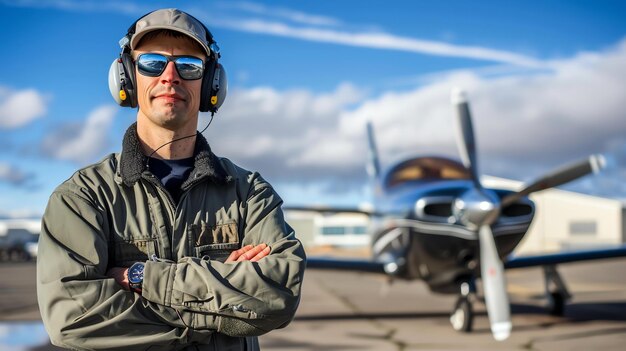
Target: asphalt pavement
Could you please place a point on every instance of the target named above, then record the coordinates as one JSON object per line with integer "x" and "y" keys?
{"x": 355, "y": 311}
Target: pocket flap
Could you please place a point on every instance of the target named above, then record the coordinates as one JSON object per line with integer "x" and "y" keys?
{"x": 221, "y": 236}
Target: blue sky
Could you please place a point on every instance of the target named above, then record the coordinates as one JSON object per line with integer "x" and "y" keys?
{"x": 545, "y": 79}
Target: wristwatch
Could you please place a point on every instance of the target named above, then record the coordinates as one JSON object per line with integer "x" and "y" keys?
{"x": 135, "y": 276}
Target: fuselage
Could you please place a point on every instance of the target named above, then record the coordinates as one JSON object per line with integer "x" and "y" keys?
{"x": 417, "y": 228}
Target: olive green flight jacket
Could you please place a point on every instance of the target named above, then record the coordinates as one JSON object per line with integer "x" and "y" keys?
{"x": 115, "y": 213}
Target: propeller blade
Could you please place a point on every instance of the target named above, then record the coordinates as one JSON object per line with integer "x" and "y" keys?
{"x": 494, "y": 285}
{"x": 558, "y": 177}
{"x": 465, "y": 134}
{"x": 373, "y": 164}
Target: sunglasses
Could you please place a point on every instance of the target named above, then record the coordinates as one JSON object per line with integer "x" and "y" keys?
{"x": 153, "y": 65}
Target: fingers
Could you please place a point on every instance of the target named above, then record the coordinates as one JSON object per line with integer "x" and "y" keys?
{"x": 260, "y": 255}
{"x": 248, "y": 255}
{"x": 237, "y": 253}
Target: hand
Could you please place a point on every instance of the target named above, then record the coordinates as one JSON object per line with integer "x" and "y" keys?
{"x": 120, "y": 274}
{"x": 249, "y": 253}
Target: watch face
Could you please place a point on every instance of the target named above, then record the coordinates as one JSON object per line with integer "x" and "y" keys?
{"x": 135, "y": 273}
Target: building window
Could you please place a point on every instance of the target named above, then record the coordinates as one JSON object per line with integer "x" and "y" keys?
{"x": 583, "y": 228}
{"x": 348, "y": 230}
{"x": 361, "y": 230}
{"x": 333, "y": 230}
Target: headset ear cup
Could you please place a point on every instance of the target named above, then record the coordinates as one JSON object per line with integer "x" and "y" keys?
{"x": 115, "y": 84}
{"x": 129, "y": 70}
{"x": 122, "y": 81}
{"x": 223, "y": 86}
{"x": 205, "y": 93}
{"x": 214, "y": 87}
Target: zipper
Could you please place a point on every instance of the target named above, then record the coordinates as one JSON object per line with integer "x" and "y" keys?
{"x": 151, "y": 178}
{"x": 158, "y": 187}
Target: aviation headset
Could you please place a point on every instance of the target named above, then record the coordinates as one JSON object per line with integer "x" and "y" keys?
{"x": 122, "y": 80}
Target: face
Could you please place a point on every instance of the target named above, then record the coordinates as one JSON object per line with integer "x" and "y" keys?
{"x": 168, "y": 101}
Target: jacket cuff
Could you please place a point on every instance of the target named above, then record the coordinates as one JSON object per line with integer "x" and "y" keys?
{"x": 158, "y": 280}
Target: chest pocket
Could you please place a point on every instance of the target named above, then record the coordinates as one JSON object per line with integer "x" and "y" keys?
{"x": 216, "y": 242}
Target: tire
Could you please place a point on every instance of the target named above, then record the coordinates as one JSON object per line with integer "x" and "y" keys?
{"x": 556, "y": 304}
{"x": 462, "y": 317}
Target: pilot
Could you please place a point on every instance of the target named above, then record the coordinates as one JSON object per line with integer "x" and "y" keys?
{"x": 166, "y": 246}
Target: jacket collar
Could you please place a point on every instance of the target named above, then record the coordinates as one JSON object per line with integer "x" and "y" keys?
{"x": 133, "y": 162}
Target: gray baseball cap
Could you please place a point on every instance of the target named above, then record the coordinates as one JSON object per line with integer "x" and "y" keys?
{"x": 172, "y": 19}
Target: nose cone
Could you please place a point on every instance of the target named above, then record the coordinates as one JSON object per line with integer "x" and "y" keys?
{"x": 476, "y": 207}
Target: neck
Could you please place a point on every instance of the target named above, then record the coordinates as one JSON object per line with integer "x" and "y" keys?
{"x": 152, "y": 138}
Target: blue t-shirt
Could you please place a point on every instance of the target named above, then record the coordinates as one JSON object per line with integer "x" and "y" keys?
{"x": 172, "y": 173}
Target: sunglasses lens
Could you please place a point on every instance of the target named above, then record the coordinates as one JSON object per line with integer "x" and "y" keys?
{"x": 190, "y": 67}
{"x": 151, "y": 65}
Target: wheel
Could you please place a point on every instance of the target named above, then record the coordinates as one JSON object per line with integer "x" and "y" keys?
{"x": 462, "y": 317}
{"x": 556, "y": 304}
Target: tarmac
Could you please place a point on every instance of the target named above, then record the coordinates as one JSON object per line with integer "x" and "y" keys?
{"x": 357, "y": 311}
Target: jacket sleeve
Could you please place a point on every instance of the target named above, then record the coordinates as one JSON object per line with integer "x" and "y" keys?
{"x": 80, "y": 306}
{"x": 248, "y": 298}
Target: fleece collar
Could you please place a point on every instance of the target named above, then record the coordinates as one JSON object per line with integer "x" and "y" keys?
{"x": 133, "y": 162}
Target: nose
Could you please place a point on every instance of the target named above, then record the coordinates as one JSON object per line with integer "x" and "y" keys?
{"x": 170, "y": 75}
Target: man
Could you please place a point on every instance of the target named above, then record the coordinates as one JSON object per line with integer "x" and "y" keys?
{"x": 212, "y": 262}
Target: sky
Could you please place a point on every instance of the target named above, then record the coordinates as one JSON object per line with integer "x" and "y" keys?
{"x": 546, "y": 82}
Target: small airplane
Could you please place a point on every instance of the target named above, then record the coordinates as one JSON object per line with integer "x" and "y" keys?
{"x": 433, "y": 220}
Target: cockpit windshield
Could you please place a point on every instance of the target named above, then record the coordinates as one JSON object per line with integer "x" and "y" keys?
{"x": 426, "y": 169}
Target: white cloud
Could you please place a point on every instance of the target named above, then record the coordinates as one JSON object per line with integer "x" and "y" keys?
{"x": 269, "y": 129}
{"x": 12, "y": 175}
{"x": 85, "y": 142}
{"x": 82, "y": 6}
{"x": 315, "y": 29}
{"x": 524, "y": 124}
{"x": 376, "y": 40}
{"x": 284, "y": 13}
{"x": 18, "y": 108}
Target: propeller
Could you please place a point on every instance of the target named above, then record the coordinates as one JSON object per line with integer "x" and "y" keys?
{"x": 593, "y": 163}
{"x": 478, "y": 209}
{"x": 494, "y": 285}
{"x": 465, "y": 134}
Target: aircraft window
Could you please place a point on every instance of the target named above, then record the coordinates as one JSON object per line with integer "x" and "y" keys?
{"x": 426, "y": 168}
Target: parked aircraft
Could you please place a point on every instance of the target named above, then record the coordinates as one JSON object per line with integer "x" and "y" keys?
{"x": 433, "y": 220}
{"x": 18, "y": 240}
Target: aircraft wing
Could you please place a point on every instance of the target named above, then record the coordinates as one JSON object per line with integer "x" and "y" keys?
{"x": 330, "y": 210}
{"x": 345, "y": 264}
{"x": 564, "y": 257}
{"x": 334, "y": 263}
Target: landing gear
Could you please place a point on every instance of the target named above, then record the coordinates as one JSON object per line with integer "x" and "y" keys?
{"x": 556, "y": 291}
{"x": 462, "y": 317}
{"x": 556, "y": 304}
